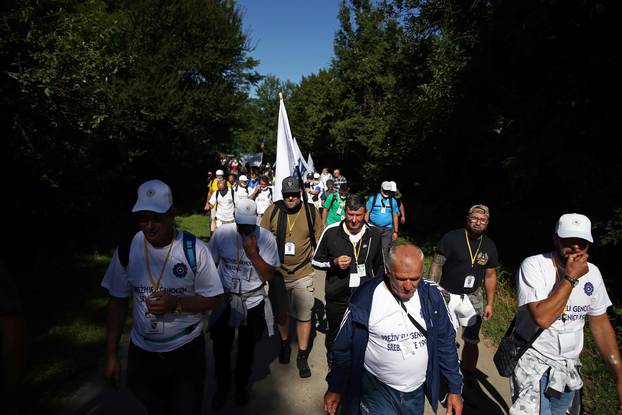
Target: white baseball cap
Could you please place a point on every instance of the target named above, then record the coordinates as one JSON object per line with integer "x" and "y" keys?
{"x": 220, "y": 172}
{"x": 246, "y": 212}
{"x": 243, "y": 178}
{"x": 154, "y": 196}
{"x": 316, "y": 175}
{"x": 574, "y": 225}
{"x": 389, "y": 186}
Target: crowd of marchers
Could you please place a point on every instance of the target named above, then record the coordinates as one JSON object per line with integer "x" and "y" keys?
{"x": 391, "y": 333}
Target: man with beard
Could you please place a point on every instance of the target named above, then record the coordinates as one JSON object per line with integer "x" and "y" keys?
{"x": 289, "y": 220}
{"x": 350, "y": 252}
{"x": 465, "y": 259}
{"x": 246, "y": 257}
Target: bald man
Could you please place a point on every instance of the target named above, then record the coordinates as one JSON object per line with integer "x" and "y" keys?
{"x": 395, "y": 342}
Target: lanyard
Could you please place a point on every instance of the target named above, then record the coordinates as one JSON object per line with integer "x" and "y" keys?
{"x": 479, "y": 245}
{"x": 356, "y": 253}
{"x": 156, "y": 284}
{"x": 401, "y": 303}
{"x": 557, "y": 279}
{"x": 290, "y": 227}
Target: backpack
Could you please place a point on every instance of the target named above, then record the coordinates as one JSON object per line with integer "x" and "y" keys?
{"x": 189, "y": 242}
{"x": 373, "y": 203}
{"x": 277, "y": 207}
{"x": 232, "y": 196}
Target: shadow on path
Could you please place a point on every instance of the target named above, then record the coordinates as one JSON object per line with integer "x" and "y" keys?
{"x": 482, "y": 398}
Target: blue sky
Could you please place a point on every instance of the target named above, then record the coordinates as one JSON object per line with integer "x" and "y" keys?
{"x": 292, "y": 38}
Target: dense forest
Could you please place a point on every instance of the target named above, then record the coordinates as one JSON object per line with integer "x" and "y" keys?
{"x": 512, "y": 104}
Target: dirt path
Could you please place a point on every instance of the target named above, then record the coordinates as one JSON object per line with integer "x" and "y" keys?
{"x": 277, "y": 388}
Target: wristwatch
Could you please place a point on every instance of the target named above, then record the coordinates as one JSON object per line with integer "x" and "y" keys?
{"x": 177, "y": 306}
{"x": 572, "y": 281}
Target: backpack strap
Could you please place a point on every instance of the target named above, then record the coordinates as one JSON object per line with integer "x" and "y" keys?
{"x": 190, "y": 244}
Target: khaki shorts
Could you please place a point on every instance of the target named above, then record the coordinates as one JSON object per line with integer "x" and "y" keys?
{"x": 300, "y": 297}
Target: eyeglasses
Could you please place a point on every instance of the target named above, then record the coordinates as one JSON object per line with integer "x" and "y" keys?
{"x": 480, "y": 220}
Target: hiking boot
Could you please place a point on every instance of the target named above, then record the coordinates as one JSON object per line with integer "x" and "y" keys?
{"x": 219, "y": 400}
{"x": 285, "y": 352}
{"x": 303, "y": 366}
{"x": 241, "y": 396}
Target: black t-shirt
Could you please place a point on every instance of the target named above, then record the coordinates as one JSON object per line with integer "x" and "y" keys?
{"x": 457, "y": 268}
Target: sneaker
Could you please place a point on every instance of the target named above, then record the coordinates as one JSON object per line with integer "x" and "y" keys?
{"x": 285, "y": 352}
{"x": 303, "y": 366}
{"x": 241, "y": 396}
{"x": 219, "y": 400}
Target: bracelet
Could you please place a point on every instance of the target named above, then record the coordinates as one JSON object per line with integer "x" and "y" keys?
{"x": 572, "y": 281}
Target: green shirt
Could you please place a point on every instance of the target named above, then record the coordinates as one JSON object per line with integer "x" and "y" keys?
{"x": 336, "y": 206}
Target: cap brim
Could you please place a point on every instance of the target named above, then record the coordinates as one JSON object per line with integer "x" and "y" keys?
{"x": 246, "y": 220}
{"x": 149, "y": 207}
{"x": 580, "y": 235}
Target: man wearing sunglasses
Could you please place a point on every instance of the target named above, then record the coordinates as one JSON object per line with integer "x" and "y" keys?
{"x": 466, "y": 259}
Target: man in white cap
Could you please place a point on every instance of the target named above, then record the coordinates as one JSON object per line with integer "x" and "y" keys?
{"x": 242, "y": 190}
{"x": 247, "y": 257}
{"x": 314, "y": 190}
{"x": 465, "y": 260}
{"x": 172, "y": 280}
{"x": 213, "y": 188}
{"x": 223, "y": 203}
{"x": 382, "y": 211}
{"x": 557, "y": 291}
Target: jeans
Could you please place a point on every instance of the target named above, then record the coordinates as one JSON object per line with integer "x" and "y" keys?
{"x": 378, "y": 398}
{"x": 551, "y": 405}
{"x": 171, "y": 382}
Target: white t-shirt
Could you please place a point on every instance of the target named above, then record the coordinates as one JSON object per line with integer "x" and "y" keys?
{"x": 150, "y": 332}
{"x": 226, "y": 204}
{"x": 535, "y": 281}
{"x": 389, "y": 330}
{"x": 236, "y": 271}
{"x": 263, "y": 199}
{"x": 242, "y": 192}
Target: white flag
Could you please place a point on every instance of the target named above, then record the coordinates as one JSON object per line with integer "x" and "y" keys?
{"x": 311, "y": 164}
{"x": 285, "y": 158}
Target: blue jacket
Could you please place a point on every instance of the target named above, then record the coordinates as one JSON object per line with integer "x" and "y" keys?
{"x": 348, "y": 351}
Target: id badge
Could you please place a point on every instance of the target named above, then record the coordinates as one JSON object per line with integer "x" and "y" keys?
{"x": 338, "y": 211}
{"x": 236, "y": 285}
{"x": 407, "y": 348}
{"x": 567, "y": 342}
{"x": 383, "y": 210}
{"x": 355, "y": 280}
{"x": 360, "y": 270}
{"x": 469, "y": 281}
{"x": 155, "y": 326}
{"x": 290, "y": 248}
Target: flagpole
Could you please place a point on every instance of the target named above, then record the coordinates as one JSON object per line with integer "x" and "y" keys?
{"x": 305, "y": 200}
